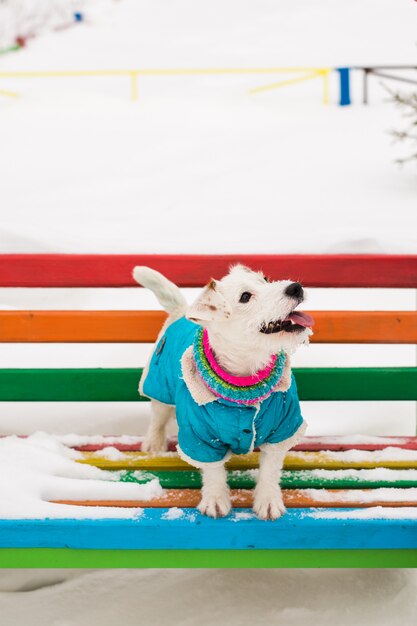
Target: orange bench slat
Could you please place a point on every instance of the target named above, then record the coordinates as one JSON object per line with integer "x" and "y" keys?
{"x": 243, "y": 498}
{"x": 144, "y": 326}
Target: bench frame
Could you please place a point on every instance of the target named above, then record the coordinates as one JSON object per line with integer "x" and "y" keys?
{"x": 295, "y": 540}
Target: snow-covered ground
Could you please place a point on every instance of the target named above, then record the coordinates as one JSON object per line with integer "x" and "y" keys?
{"x": 199, "y": 165}
{"x": 209, "y": 597}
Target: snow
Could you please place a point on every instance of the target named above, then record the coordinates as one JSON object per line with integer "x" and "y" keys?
{"x": 173, "y": 513}
{"x": 355, "y": 456}
{"x": 373, "y": 512}
{"x": 210, "y": 597}
{"x": 377, "y": 474}
{"x": 242, "y": 171}
{"x": 357, "y": 439}
{"x": 237, "y": 516}
{"x": 73, "y": 440}
{"x": 38, "y": 469}
{"x": 388, "y": 454}
{"x": 137, "y": 475}
{"x": 109, "y": 452}
{"x": 365, "y": 495}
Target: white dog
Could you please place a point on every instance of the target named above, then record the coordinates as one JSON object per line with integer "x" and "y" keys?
{"x": 222, "y": 367}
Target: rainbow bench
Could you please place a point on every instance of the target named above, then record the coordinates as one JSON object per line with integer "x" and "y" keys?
{"x": 329, "y": 483}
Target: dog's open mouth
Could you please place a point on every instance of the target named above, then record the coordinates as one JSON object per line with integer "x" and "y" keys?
{"x": 294, "y": 322}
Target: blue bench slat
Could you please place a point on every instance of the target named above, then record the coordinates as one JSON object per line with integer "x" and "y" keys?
{"x": 294, "y": 530}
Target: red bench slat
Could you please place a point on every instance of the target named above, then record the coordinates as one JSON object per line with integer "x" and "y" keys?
{"x": 95, "y": 270}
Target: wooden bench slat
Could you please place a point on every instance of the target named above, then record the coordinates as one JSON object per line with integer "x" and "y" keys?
{"x": 208, "y": 558}
{"x": 194, "y": 270}
{"x": 361, "y": 383}
{"x": 81, "y": 326}
{"x": 401, "y": 459}
{"x": 294, "y": 498}
{"x": 144, "y": 326}
{"x": 365, "y": 327}
{"x": 346, "y": 442}
{"x": 120, "y": 384}
{"x": 334, "y": 443}
{"x": 290, "y": 479}
{"x": 297, "y": 529}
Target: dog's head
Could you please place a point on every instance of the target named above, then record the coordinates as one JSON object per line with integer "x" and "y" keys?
{"x": 248, "y": 310}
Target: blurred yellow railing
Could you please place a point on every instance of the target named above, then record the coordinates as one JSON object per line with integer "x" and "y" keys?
{"x": 319, "y": 73}
{"x": 8, "y": 94}
{"x": 133, "y": 74}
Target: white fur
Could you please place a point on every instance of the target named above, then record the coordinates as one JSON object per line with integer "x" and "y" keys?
{"x": 168, "y": 294}
{"x": 242, "y": 350}
{"x": 234, "y": 327}
{"x": 267, "y": 502}
{"x": 155, "y": 440}
{"x": 215, "y": 495}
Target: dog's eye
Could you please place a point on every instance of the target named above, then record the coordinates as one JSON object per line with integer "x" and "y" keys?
{"x": 266, "y": 279}
{"x": 245, "y": 297}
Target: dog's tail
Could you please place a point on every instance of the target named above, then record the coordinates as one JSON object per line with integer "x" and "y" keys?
{"x": 168, "y": 294}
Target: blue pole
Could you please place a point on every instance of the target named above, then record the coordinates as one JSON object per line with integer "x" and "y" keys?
{"x": 344, "y": 75}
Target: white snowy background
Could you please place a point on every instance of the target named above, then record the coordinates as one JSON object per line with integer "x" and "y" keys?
{"x": 199, "y": 165}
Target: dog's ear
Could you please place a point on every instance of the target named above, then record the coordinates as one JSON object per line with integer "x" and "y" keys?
{"x": 210, "y": 306}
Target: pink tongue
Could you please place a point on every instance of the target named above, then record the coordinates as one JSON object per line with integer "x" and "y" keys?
{"x": 303, "y": 319}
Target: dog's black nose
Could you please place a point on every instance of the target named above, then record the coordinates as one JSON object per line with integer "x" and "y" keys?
{"x": 295, "y": 290}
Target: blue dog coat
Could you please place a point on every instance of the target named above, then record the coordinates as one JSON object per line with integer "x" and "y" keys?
{"x": 210, "y": 432}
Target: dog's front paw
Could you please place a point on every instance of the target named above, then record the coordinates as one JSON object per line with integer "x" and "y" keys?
{"x": 268, "y": 505}
{"x": 156, "y": 442}
{"x": 215, "y": 505}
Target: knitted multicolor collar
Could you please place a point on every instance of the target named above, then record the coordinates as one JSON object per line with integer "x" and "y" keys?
{"x": 240, "y": 389}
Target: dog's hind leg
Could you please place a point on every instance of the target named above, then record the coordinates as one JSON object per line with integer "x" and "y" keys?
{"x": 155, "y": 438}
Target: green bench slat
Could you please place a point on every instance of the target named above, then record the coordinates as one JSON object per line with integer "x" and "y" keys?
{"x": 69, "y": 557}
{"x": 120, "y": 384}
{"x": 357, "y": 383}
{"x": 295, "y": 479}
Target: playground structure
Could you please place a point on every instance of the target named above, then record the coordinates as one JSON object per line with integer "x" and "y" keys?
{"x": 375, "y": 70}
{"x": 351, "y": 501}
{"x": 302, "y": 74}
